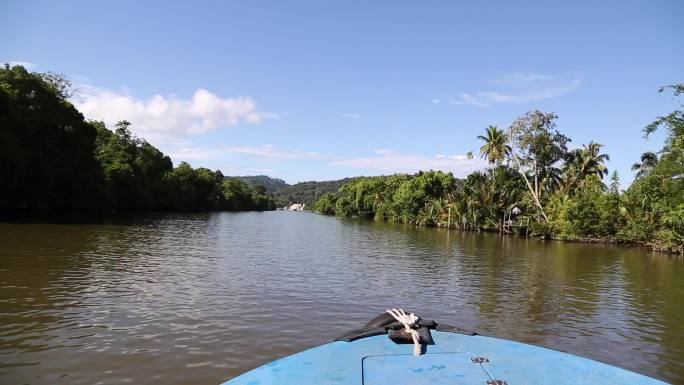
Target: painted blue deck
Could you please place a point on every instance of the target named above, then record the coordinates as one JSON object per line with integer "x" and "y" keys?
{"x": 379, "y": 361}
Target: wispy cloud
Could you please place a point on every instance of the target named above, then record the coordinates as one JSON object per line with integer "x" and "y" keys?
{"x": 262, "y": 170}
{"x": 272, "y": 152}
{"x": 163, "y": 117}
{"x": 194, "y": 153}
{"x": 517, "y": 88}
{"x": 516, "y": 78}
{"x": 352, "y": 115}
{"x": 389, "y": 161}
{"x": 382, "y": 160}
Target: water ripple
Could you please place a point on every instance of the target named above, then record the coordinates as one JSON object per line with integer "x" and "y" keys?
{"x": 200, "y": 298}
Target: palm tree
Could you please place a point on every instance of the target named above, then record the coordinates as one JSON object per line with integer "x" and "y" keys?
{"x": 584, "y": 162}
{"x": 551, "y": 179}
{"x": 648, "y": 162}
{"x": 496, "y": 147}
{"x": 615, "y": 182}
{"x": 588, "y": 160}
{"x": 595, "y": 161}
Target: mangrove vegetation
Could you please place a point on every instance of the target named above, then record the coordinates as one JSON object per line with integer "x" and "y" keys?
{"x": 538, "y": 185}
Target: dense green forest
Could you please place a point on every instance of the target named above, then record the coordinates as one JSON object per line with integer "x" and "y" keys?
{"x": 269, "y": 185}
{"x": 285, "y": 194}
{"x": 52, "y": 160}
{"x": 537, "y": 184}
{"x": 307, "y": 192}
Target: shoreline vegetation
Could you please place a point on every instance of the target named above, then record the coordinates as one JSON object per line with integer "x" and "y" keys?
{"x": 286, "y": 194}
{"x": 54, "y": 163}
{"x": 537, "y": 185}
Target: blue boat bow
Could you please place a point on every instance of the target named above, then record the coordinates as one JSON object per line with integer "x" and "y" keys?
{"x": 368, "y": 357}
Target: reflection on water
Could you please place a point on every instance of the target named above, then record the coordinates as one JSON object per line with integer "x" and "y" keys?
{"x": 200, "y": 298}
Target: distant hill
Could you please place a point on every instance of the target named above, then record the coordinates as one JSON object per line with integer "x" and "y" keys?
{"x": 302, "y": 192}
{"x": 271, "y": 185}
{"x": 307, "y": 192}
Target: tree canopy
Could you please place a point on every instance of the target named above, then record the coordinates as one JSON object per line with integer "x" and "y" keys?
{"x": 53, "y": 160}
{"x": 538, "y": 185}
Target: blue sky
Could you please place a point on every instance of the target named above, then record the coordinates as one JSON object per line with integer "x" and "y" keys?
{"x": 322, "y": 90}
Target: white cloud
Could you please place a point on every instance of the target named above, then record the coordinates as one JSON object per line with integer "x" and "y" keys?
{"x": 262, "y": 170}
{"x": 522, "y": 77}
{"x": 28, "y": 65}
{"x": 163, "y": 117}
{"x": 518, "y": 88}
{"x": 352, "y": 115}
{"x": 382, "y": 160}
{"x": 272, "y": 152}
{"x": 194, "y": 153}
{"x": 470, "y": 100}
{"x": 388, "y": 161}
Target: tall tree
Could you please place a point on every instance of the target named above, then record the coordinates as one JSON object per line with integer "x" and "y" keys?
{"x": 649, "y": 160}
{"x": 615, "y": 182}
{"x": 584, "y": 162}
{"x": 671, "y": 162}
{"x": 535, "y": 147}
{"x": 46, "y": 148}
{"x": 594, "y": 160}
{"x": 496, "y": 148}
{"x": 134, "y": 169}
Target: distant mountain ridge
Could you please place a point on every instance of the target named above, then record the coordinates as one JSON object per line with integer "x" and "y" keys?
{"x": 271, "y": 185}
{"x": 286, "y": 194}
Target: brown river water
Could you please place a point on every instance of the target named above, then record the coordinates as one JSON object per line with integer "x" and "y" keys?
{"x": 200, "y": 298}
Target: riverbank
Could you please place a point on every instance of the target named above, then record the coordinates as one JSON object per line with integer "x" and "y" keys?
{"x": 81, "y": 166}
{"x": 527, "y": 233}
{"x": 537, "y": 181}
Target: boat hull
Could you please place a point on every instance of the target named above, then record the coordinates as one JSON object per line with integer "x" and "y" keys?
{"x": 454, "y": 359}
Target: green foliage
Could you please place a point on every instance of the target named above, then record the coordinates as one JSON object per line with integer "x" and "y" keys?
{"x": 46, "y": 148}
{"x": 653, "y": 204}
{"x": 240, "y": 196}
{"x": 588, "y": 212}
{"x": 649, "y": 160}
{"x": 496, "y": 148}
{"x": 194, "y": 189}
{"x": 579, "y": 205}
{"x": 430, "y": 198}
{"x": 399, "y": 198}
{"x": 359, "y": 197}
{"x": 535, "y": 148}
{"x": 285, "y": 194}
{"x": 134, "y": 170}
{"x": 582, "y": 164}
{"x": 140, "y": 177}
{"x": 412, "y": 195}
{"x": 51, "y": 159}
{"x": 326, "y": 204}
{"x": 307, "y": 192}
{"x": 537, "y": 139}
{"x": 270, "y": 185}
{"x": 671, "y": 235}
